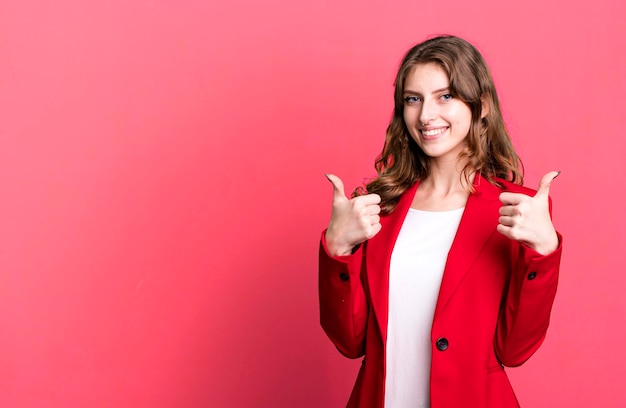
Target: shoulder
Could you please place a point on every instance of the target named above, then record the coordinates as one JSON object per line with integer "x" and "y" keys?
{"x": 514, "y": 188}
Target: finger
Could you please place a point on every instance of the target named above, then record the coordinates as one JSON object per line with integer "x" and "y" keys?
{"x": 375, "y": 219}
{"x": 512, "y": 198}
{"x": 509, "y": 210}
{"x": 505, "y": 230}
{"x": 544, "y": 184}
{"x": 511, "y": 233}
{"x": 373, "y": 209}
{"x": 375, "y": 230}
{"x": 369, "y": 199}
{"x": 506, "y": 221}
{"x": 338, "y": 189}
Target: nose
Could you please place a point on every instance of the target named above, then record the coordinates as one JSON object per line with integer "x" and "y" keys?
{"x": 428, "y": 111}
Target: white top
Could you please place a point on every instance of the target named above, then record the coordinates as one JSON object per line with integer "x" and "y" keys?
{"x": 417, "y": 263}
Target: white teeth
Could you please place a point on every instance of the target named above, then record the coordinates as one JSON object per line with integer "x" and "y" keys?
{"x": 433, "y": 132}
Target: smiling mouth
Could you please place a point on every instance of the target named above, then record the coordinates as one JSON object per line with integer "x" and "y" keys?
{"x": 433, "y": 133}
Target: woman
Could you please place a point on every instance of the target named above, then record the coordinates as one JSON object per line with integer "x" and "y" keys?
{"x": 446, "y": 270}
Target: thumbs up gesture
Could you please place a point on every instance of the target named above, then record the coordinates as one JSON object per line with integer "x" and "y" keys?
{"x": 353, "y": 221}
{"x": 527, "y": 219}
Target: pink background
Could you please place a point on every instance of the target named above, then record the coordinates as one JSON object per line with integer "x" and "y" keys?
{"x": 162, "y": 189}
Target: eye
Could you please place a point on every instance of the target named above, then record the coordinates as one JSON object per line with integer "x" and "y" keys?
{"x": 446, "y": 97}
{"x": 411, "y": 99}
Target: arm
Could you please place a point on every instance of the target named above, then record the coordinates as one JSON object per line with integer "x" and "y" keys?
{"x": 527, "y": 303}
{"x": 343, "y": 307}
{"x": 531, "y": 286}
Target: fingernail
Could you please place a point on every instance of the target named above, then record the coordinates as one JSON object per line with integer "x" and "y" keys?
{"x": 557, "y": 174}
{"x": 326, "y": 174}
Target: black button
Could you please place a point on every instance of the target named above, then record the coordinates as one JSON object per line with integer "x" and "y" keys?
{"x": 532, "y": 275}
{"x": 344, "y": 276}
{"x": 442, "y": 344}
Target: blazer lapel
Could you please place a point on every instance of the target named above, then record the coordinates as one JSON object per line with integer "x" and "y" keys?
{"x": 478, "y": 223}
{"x": 378, "y": 257}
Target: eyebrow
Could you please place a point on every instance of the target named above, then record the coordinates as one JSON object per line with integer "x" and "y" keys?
{"x": 408, "y": 91}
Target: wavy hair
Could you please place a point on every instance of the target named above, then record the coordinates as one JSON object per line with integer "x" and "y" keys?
{"x": 489, "y": 149}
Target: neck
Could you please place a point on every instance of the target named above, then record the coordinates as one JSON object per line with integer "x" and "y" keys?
{"x": 444, "y": 189}
{"x": 447, "y": 178}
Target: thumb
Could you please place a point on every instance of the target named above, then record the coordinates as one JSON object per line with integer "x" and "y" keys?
{"x": 544, "y": 184}
{"x": 339, "y": 193}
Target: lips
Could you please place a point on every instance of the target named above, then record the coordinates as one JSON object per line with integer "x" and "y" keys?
{"x": 433, "y": 133}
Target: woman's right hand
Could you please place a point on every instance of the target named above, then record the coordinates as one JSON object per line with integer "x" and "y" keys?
{"x": 353, "y": 221}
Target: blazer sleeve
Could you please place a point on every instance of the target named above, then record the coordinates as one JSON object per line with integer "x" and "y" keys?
{"x": 343, "y": 306}
{"x": 527, "y": 304}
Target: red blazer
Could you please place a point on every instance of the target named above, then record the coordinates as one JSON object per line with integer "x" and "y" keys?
{"x": 492, "y": 311}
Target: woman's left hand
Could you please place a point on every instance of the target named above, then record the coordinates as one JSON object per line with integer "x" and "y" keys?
{"x": 527, "y": 219}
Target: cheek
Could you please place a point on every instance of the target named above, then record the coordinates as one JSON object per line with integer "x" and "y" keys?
{"x": 464, "y": 122}
{"x": 463, "y": 119}
{"x": 410, "y": 122}
{"x": 407, "y": 117}
{"x": 463, "y": 128}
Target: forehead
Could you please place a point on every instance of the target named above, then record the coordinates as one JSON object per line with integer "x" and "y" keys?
{"x": 426, "y": 77}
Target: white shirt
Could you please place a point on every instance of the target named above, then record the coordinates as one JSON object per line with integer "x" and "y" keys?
{"x": 417, "y": 263}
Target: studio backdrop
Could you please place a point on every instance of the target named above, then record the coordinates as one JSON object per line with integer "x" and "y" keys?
{"x": 162, "y": 189}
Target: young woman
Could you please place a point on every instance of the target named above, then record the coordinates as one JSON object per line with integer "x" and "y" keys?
{"x": 446, "y": 270}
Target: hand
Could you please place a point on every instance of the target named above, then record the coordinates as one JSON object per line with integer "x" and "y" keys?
{"x": 527, "y": 219}
{"x": 353, "y": 221}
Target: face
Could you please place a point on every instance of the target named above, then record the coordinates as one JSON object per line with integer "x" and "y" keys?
{"x": 436, "y": 120}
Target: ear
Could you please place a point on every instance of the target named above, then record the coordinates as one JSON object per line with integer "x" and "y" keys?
{"x": 485, "y": 106}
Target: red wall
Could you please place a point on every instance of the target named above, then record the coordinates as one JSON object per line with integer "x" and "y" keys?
{"x": 162, "y": 189}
